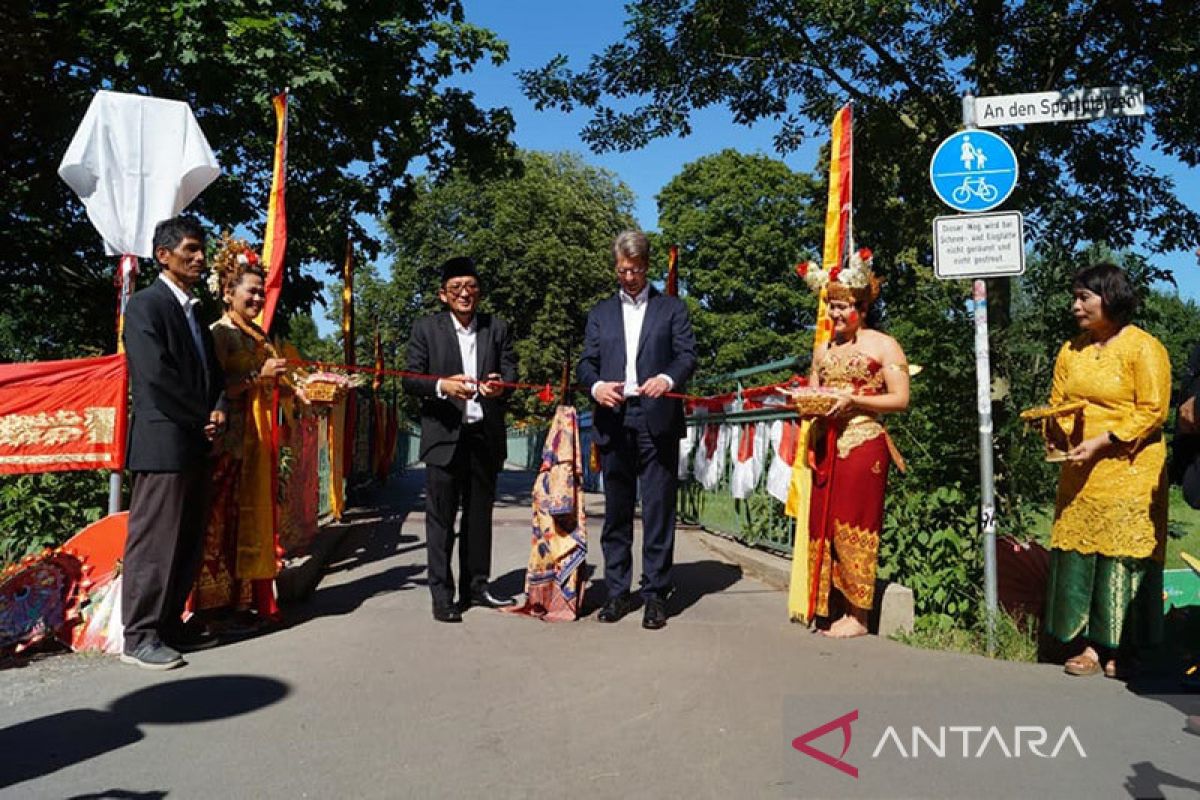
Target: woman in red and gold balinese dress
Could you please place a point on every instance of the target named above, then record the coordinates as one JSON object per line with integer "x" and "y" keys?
{"x": 240, "y": 559}
{"x": 868, "y": 371}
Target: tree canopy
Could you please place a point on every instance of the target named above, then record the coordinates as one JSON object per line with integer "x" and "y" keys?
{"x": 741, "y": 222}
{"x": 905, "y": 66}
{"x": 371, "y": 94}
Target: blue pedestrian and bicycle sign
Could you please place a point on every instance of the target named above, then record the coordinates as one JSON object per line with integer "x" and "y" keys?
{"x": 973, "y": 170}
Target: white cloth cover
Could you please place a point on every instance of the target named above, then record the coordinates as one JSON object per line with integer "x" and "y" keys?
{"x": 709, "y": 471}
{"x": 745, "y": 474}
{"x": 779, "y": 473}
{"x": 686, "y": 445}
{"x": 135, "y": 161}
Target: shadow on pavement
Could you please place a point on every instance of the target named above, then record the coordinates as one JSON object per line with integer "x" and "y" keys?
{"x": 119, "y": 794}
{"x": 1147, "y": 781}
{"x": 45, "y": 745}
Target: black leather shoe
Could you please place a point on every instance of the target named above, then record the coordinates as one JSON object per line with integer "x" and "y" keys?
{"x": 446, "y": 614}
{"x": 485, "y": 599}
{"x": 617, "y": 607}
{"x": 191, "y": 636}
{"x": 655, "y": 616}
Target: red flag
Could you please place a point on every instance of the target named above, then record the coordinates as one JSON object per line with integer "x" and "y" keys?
{"x": 673, "y": 271}
{"x": 275, "y": 236}
{"x": 61, "y": 415}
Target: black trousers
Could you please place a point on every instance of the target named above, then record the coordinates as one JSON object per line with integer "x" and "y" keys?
{"x": 163, "y": 550}
{"x": 468, "y": 483}
{"x": 634, "y": 460}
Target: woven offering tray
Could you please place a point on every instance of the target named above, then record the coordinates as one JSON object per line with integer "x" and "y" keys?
{"x": 1040, "y": 413}
{"x": 813, "y": 402}
{"x": 326, "y": 392}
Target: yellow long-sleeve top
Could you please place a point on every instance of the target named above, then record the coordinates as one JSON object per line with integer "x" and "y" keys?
{"x": 1117, "y": 506}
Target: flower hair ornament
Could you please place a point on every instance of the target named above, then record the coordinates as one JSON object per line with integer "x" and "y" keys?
{"x": 855, "y": 283}
{"x": 234, "y": 258}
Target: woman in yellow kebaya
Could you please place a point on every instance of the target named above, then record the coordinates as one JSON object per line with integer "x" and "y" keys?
{"x": 1110, "y": 515}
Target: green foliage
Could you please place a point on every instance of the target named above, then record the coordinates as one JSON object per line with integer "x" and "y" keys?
{"x": 741, "y": 222}
{"x": 38, "y": 511}
{"x": 929, "y": 544}
{"x": 542, "y": 240}
{"x": 371, "y": 94}
{"x": 1016, "y": 639}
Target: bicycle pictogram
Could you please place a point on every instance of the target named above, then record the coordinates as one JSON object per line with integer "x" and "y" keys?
{"x": 974, "y": 187}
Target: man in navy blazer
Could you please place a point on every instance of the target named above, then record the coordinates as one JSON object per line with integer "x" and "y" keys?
{"x": 177, "y": 392}
{"x": 638, "y": 346}
{"x": 463, "y": 438}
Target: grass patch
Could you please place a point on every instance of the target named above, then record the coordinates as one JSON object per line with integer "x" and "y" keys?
{"x": 1015, "y": 639}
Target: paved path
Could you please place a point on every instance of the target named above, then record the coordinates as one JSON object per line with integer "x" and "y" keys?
{"x": 366, "y": 696}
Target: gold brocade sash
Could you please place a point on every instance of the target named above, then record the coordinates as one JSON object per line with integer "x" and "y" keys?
{"x": 256, "y": 496}
{"x": 863, "y": 428}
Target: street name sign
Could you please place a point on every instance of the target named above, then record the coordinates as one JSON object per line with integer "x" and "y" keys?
{"x": 973, "y": 170}
{"x": 979, "y": 245}
{"x": 1073, "y": 105}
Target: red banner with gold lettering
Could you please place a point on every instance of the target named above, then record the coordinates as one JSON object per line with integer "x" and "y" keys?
{"x": 60, "y": 415}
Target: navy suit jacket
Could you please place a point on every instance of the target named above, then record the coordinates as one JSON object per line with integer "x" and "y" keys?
{"x": 173, "y": 392}
{"x": 433, "y": 350}
{"x": 666, "y": 346}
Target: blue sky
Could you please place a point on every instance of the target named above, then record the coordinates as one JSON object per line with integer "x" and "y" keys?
{"x": 537, "y": 30}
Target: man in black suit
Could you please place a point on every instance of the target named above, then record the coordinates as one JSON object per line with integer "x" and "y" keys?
{"x": 463, "y": 437}
{"x": 177, "y": 387}
{"x": 638, "y": 346}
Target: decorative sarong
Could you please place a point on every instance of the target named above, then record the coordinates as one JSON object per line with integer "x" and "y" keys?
{"x": 846, "y": 512}
{"x": 216, "y": 585}
{"x": 1113, "y": 602}
{"x": 554, "y": 580}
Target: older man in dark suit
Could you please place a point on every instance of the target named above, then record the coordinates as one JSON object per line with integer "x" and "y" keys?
{"x": 177, "y": 388}
{"x": 463, "y": 438}
{"x": 638, "y": 346}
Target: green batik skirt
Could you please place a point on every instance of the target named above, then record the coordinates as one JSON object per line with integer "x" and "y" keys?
{"x": 1113, "y": 602}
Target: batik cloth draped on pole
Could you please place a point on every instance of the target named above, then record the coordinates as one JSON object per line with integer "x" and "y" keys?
{"x": 554, "y": 580}
{"x": 838, "y": 230}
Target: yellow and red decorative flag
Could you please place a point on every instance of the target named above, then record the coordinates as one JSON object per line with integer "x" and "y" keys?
{"x": 275, "y": 237}
{"x": 673, "y": 271}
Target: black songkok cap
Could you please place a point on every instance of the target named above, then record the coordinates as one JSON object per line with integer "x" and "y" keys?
{"x": 459, "y": 267}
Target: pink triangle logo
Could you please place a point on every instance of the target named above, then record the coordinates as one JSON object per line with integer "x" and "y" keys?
{"x": 801, "y": 743}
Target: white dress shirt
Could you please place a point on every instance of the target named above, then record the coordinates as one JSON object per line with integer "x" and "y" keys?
{"x": 633, "y": 314}
{"x": 473, "y": 412}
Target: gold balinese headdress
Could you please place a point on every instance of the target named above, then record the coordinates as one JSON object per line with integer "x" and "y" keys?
{"x": 856, "y": 283}
{"x": 233, "y": 257}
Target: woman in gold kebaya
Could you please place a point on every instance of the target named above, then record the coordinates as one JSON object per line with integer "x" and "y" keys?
{"x": 240, "y": 560}
{"x": 869, "y": 372}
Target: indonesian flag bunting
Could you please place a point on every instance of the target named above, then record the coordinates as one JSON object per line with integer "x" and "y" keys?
{"x": 275, "y": 237}
{"x": 838, "y": 230}
{"x": 63, "y": 415}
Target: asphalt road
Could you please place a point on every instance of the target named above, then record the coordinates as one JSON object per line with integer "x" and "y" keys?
{"x": 364, "y": 695}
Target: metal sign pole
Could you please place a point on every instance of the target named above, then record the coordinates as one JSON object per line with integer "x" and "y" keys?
{"x": 983, "y": 391}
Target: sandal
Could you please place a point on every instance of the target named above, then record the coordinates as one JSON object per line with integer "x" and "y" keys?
{"x": 1081, "y": 666}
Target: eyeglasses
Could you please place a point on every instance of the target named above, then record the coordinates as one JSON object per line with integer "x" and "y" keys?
{"x": 462, "y": 288}
{"x": 629, "y": 272}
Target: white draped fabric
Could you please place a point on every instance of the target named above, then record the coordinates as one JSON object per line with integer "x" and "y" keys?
{"x": 135, "y": 161}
